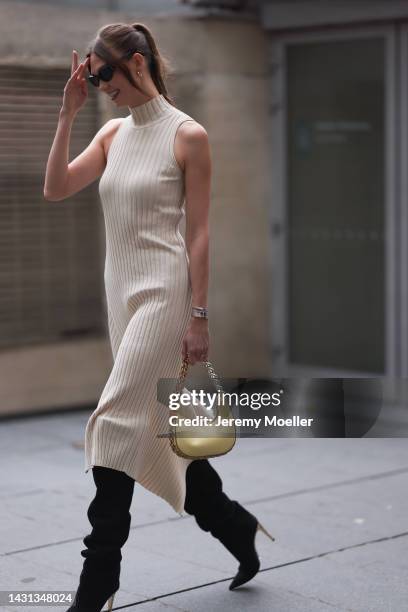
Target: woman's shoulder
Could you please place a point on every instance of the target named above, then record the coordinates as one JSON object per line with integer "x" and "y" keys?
{"x": 192, "y": 131}
{"x": 191, "y": 142}
{"x": 112, "y": 125}
{"x": 187, "y": 124}
{"x": 108, "y": 132}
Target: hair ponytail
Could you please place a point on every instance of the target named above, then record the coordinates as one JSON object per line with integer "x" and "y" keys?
{"x": 158, "y": 65}
{"x": 115, "y": 40}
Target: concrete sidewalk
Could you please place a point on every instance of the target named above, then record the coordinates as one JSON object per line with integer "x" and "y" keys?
{"x": 338, "y": 509}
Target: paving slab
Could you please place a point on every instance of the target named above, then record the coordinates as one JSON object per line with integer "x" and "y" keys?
{"x": 337, "y": 508}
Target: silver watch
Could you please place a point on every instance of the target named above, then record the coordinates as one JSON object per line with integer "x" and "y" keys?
{"x": 200, "y": 312}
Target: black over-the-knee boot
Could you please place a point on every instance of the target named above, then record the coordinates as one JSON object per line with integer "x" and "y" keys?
{"x": 228, "y": 521}
{"x": 110, "y": 518}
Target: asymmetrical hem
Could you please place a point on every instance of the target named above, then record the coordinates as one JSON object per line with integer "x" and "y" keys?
{"x": 148, "y": 299}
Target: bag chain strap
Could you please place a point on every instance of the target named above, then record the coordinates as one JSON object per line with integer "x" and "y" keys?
{"x": 211, "y": 373}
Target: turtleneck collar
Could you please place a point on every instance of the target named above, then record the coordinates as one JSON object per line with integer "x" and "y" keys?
{"x": 151, "y": 111}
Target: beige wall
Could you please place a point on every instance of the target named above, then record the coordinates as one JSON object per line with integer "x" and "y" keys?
{"x": 221, "y": 80}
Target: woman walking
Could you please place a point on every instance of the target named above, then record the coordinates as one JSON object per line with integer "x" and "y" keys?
{"x": 148, "y": 163}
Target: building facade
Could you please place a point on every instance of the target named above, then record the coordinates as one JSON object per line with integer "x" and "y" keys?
{"x": 305, "y": 104}
{"x": 55, "y": 350}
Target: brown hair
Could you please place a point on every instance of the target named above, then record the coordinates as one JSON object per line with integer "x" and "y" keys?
{"x": 118, "y": 39}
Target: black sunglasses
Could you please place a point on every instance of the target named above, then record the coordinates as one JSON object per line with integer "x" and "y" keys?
{"x": 105, "y": 72}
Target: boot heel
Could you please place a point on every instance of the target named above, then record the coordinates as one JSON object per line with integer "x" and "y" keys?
{"x": 110, "y": 602}
{"x": 262, "y": 528}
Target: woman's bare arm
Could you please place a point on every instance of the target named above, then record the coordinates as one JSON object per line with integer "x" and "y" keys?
{"x": 197, "y": 188}
{"x": 197, "y": 168}
{"x": 64, "y": 179}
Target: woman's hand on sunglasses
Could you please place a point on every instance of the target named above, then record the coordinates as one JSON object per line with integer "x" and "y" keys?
{"x": 76, "y": 89}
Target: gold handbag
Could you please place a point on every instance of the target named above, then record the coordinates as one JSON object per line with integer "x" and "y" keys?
{"x": 218, "y": 439}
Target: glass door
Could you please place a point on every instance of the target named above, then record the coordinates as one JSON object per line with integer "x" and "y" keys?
{"x": 333, "y": 205}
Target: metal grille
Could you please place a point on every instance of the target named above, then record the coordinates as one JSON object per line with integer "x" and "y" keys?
{"x": 50, "y": 252}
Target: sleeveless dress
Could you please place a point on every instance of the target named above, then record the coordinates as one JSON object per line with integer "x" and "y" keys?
{"x": 148, "y": 296}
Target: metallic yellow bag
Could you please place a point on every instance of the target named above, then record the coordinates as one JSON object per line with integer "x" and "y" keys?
{"x": 218, "y": 439}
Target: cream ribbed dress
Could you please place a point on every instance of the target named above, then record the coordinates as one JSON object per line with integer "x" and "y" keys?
{"x": 148, "y": 293}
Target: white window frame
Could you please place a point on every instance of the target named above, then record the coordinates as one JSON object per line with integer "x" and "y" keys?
{"x": 403, "y": 135}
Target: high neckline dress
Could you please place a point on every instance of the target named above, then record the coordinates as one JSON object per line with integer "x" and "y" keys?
{"x": 148, "y": 298}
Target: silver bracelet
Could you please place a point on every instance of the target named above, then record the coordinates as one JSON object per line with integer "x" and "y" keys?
{"x": 200, "y": 312}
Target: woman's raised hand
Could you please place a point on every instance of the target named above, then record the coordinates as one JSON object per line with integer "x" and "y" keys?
{"x": 76, "y": 89}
